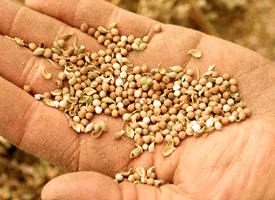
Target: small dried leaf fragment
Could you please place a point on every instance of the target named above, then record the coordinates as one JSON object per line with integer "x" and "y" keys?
{"x": 194, "y": 52}
{"x": 46, "y": 74}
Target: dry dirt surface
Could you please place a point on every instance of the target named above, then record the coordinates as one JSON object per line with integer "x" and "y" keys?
{"x": 249, "y": 23}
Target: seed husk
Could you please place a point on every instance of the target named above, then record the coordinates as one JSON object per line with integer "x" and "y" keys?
{"x": 150, "y": 171}
{"x": 152, "y": 147}
{"x": 129, "y": 131}
{"x": 48, "y": 102}
{"x": 141, "y": 171}
{"x": 135, "y": 47}
{"x": 103, "y": 126}
{"x": 76, "y": 126}
{"x": 102, "y": 30}
{"x": 83, "y": 99}
{"x": 39, "y": 51}
{"x": 46, "y": 74}
{"x": 112, "y": 25}
{"x": 136, "y": 152}
{"x": 142, "y": 46}
{"x": 194, "y": 52}
{"x": 119, "y": 134}
{"x": 89, "y": 127}
{"x": 89, "y": 91}
{"x": 172, "y": 74}
{"x": 27, "y": 88}
{"x": 176, "y": 69}
{"x": 107, "y": 100}
{"x": 161, "y": 69}
{"x": 88, "y": 74}
{"x": 168, "y": 150}
{"x": 56, "y": 92}
{"x": 127, "y": 173}
{"x": 96, "y": 133}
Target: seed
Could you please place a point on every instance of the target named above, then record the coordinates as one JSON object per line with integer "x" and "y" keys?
{"x": 226, "y": 108}
{"x": 84, "y": 27}
{"x": 242, "y": 115}
{"x": 225, "y": 120}
{"x": 47, "y": 53}
{"x": 39, "y": 51}
{"x": 119, "y": 177}
{"x": 247, "y": 112}
{"x": 157, "y": 28}
{"x": 27, "y": 88}
{"x": 196, "y": 127}
{"x": 98, "y": 110}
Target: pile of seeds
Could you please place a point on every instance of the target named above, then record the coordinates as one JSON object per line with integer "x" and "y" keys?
{"x": 140, "y": 176}
{"x": 156, "y": 106}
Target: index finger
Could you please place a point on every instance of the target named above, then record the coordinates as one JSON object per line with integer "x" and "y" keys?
{"x": 95, "y": 13}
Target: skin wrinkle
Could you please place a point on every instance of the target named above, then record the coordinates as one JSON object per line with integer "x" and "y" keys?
{"x": 30, "y": 72}
{"x": 230, "y": 167}
{"x": 14, "y": 20}
{"x": 29, "y": 116}
{"x": 74, "y": 155}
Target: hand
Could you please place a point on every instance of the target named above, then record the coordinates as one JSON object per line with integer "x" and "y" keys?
{"x": 235, "y": 163}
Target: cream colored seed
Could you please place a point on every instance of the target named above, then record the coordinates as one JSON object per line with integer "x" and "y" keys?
{"x": 27, "y": 88}
{"x": 84, "y": 27}
{"x": 32, "y": 46}
{"x": 157, "y": 28}
{"x": 218, "y": 126}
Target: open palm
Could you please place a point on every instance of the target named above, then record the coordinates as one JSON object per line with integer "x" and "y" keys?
{"x": 235, "y": 163}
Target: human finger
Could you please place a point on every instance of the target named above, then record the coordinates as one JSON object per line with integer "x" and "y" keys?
{"x": 30, "y": 125}
{"x": 94, "y": 13}
{"x": 91, "y": 185}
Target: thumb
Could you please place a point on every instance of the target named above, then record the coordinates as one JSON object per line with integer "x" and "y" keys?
{"x": 92, "y": 185}
{"x": 81, "y": 185}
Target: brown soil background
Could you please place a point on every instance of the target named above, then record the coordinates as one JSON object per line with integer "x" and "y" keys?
{"x": 250, "y": 23}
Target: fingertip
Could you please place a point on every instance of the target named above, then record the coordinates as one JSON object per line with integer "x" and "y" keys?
{"x": 81, "y": 185}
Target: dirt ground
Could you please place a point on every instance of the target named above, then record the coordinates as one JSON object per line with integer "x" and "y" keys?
{"x": 249, "y": 23}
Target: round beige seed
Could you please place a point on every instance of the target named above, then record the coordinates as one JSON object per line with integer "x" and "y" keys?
{"x": 84, "y": 27}
{"x": 27, "y": 88}
{"x": 157, "y": 28}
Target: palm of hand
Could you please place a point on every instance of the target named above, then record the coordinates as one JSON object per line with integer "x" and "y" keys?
{"x": 228, "y": 163}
